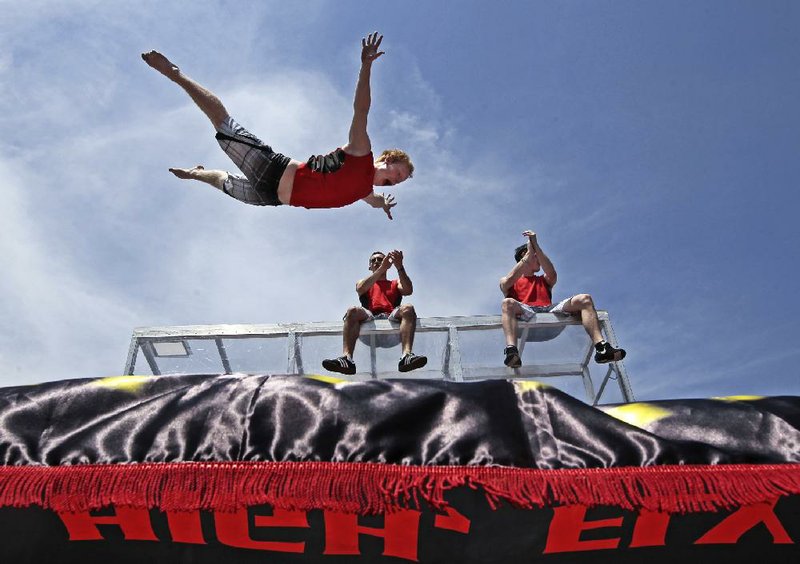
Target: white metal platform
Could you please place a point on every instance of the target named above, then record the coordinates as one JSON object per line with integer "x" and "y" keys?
{"x": 554, "y": 348}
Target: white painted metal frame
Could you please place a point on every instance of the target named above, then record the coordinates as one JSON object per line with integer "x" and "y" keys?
{"x": 453, "y": 369}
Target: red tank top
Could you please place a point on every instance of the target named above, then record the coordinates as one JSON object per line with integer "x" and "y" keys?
{"x": 352, "y": 182}
{"x": 531, "y": 290}
{"x": 382, "y": 297}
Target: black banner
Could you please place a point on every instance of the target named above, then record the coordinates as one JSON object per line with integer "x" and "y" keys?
{"x": 179, "y": 468}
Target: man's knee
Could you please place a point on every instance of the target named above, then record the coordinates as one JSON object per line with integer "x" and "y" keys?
{"x": 582, "y": 301}
{"x": 218, "y": 179}
{"x": 406, "y": 311}
{"x": 354, "y": 313}
{"x": 223, "y": 121}
{"x": 510, "y": 306}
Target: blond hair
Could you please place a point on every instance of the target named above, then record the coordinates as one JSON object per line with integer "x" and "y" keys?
{"x": 396, "y": 156}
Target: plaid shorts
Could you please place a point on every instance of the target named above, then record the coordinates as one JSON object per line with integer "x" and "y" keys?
{"x": 261, "y": 166}
{"x": 528, "y": 312}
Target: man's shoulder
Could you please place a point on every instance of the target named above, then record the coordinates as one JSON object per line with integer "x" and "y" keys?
{"x": 355, "y": 152}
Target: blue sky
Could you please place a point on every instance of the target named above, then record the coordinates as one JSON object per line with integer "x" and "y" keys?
{"x": 653, "y": 146}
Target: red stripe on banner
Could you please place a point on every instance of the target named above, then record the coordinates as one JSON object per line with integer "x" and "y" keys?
{"x": 370, "y": 488}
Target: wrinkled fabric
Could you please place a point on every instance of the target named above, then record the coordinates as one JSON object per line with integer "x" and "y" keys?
{"x": 412, "y": 422}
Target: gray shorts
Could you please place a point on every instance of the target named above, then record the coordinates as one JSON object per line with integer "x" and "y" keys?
{"x": 262, "y": 167}
{"x": 390, "y": 316}
{"x": 528, "y": 312}
{"x": 382, "y": 340}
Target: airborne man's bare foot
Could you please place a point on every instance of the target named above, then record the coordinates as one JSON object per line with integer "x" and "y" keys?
{"x": 205, "y": 99}
{"x": 161, "y": 64}
{"x": 216, "y": 178}
{"x": 186, "y": 173}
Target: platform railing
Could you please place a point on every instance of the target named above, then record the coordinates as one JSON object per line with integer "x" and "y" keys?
{"x": 459, "y": 349}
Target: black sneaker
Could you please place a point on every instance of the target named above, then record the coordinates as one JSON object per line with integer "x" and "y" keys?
{"x": 605, "y": 353}
{"x": 513, "y": 360}
{"x": 411, "y": 361}
{"x": 342, "y": 365}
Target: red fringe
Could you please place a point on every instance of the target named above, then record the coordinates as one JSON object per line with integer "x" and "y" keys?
{"x": 368, "y": 488}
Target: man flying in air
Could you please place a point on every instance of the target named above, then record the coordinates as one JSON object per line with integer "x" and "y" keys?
{"x": 268, "y": 178}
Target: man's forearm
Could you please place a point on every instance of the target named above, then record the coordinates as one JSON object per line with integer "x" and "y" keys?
{"x": 405, "y": 281}
{"x": 512, "y": 277}
{"x": 363, "y": 97}
{"x": 544, "y": 261}
{"x": 365, "y": 284}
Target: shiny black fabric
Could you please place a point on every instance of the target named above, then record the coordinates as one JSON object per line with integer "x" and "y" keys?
{"x": 289, "y": 418}
{"x": 325, "y": 164}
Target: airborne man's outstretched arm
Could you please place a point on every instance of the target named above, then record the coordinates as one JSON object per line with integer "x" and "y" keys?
{"x": 358, "y": 143}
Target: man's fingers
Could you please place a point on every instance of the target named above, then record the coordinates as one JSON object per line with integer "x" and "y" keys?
{"x": 373, "y": 40}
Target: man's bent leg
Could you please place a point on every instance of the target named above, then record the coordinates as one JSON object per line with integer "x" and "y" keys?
{"x": 206, "y": 100}
{"x": 583, "y": 304}
{"x": 353, "y": 319}
{"x": 215, "y": 178}
{"x": 511, "y": 310}
{"x": 408, "y": 327}
{"x": 234, "y": 185}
